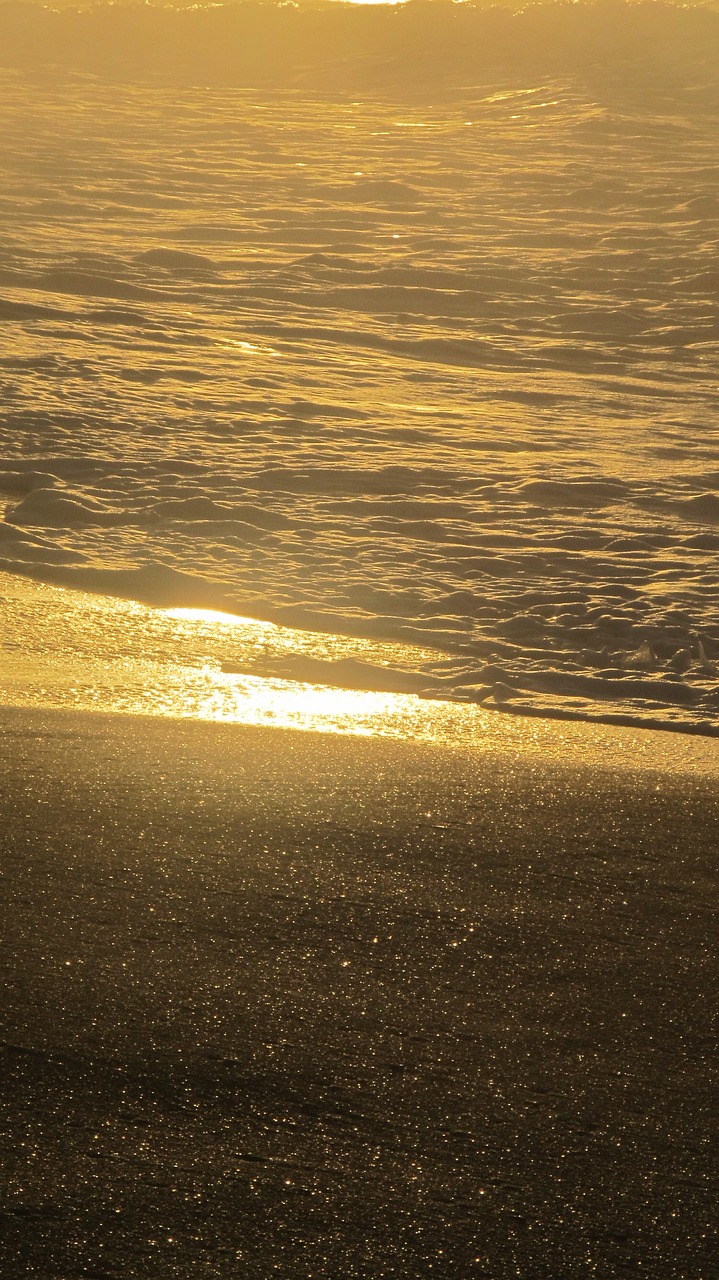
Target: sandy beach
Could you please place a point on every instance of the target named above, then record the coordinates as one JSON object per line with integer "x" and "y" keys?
{"x": 318, "y": 1005}
{"x": 359, "y": 644}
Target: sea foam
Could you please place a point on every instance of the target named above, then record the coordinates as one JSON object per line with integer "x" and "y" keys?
{"x": 406, "y": 332}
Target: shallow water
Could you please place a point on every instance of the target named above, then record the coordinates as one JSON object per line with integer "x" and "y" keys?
{"x": 433, "y": 362}
{"x": 69, "y": 651}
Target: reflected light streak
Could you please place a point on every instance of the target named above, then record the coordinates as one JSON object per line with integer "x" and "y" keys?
{"x": 94, "y": 653}
{"x": 68, "y": 650}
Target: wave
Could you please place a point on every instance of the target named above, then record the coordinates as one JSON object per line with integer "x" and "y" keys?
{"x": 435, "y": 373}
{"x": 417, "y": 45}
{"x": 665, "y": 680}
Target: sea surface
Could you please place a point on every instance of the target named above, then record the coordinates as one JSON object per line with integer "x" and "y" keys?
{"x": 393, "y": 323}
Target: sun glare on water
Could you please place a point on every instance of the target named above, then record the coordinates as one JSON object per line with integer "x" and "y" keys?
{"x": 71, "y": 651}
{"x": 123, "y": 657}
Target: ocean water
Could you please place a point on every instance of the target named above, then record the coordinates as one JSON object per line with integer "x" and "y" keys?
{"x": 392, "y": 323}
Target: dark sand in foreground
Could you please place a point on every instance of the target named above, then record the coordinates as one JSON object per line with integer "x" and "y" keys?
{"x": 290, "y": 1004}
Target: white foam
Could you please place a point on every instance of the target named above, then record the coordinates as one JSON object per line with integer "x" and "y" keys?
{"x": 437, "y": 369}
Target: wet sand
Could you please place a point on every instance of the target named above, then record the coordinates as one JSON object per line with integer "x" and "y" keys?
{"x": 297, "y": 1004}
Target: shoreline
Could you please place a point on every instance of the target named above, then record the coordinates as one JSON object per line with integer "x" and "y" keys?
{"x": 337, "y": 1005}
{"x": 67, "y": 648}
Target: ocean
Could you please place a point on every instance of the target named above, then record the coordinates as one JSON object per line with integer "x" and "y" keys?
{"x": 398, "y": 323}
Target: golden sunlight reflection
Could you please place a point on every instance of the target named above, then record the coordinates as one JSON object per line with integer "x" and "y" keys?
{"x": 125, "y": 657}
{"x": 69, "y": 650}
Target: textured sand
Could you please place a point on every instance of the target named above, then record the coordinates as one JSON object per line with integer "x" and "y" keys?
{"x": 293, "y": 1004}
